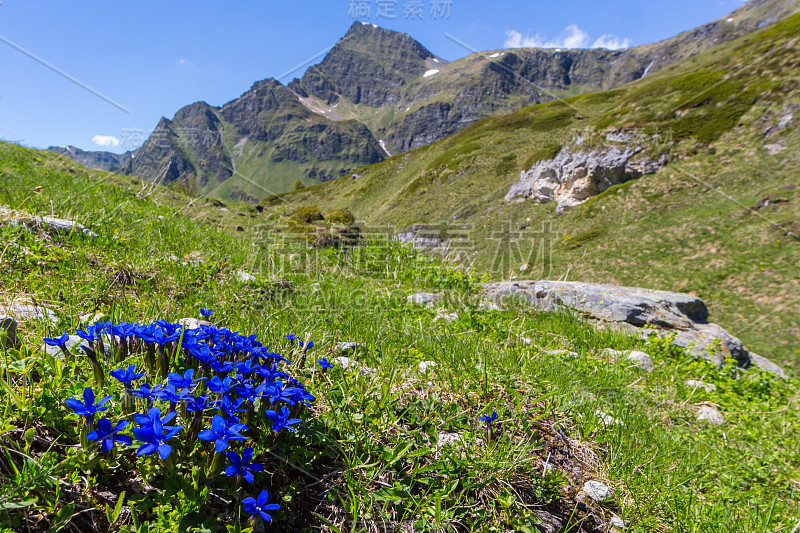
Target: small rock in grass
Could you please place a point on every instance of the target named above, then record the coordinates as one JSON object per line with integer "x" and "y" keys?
{"x": 245, "y": 277}
{"x": 490, "y": 306}
{"x": 346, "y": 347}
{"x": 344, "y": 362}
{"x": 526, "y": 341}
{"x": 366, "y": 371}
{"x": 696, "y": 384}
{"x": 25, "y": 312}
{"x": 618, "y": 522}
{"x": 447, "y": 317}
{"x": 597, "y": 491}
{"x": 425, "y": 365}
{"x": 608, "y": 420}
{"x": 710, "y": 414}
{"x": 446, "y": 439}
{"x": 54, "y": 351}
{"x": 424, "y": 298}
{"x": 193, "y": 323}
{"x": 642, "y": 360}
{"x": 564, "y": 353}
{"x": 239, "y": 228}
{"x": 9, "y": 326}
{"x": 350, "y": 364}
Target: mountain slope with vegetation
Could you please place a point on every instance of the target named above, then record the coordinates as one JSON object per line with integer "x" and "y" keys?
{"x": 390, "y": 442}
{"x": 379, "y": 92}
{"x": 721, "y": 219}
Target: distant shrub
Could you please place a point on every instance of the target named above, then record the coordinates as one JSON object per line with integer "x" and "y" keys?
{"x": 307, "y": 215}
{"x": 298, "y": 185}
{"x": 576, "y": 241}
{"x": 340, "y": 216}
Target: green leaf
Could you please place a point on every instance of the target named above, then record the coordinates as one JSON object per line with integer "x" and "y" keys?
{"x": 62, "y": 518}
{"x": 10, "y": 506}
{"x": 327, "y": 523}
{"x": 12, "y": 393}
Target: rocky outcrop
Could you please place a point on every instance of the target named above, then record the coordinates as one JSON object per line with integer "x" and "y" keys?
{"x": 576, "y": 174}
{"x": 682, "y": 316}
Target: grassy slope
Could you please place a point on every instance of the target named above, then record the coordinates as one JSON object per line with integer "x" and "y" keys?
{"x": 669, "y": 471}
{"x": 687, "y": 228}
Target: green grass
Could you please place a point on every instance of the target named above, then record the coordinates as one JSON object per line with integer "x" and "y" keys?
{"x": 369, "y": 456}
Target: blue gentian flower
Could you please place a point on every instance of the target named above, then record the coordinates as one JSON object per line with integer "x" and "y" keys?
{"x": 229, "y": 407}
{"x": 221, "y": 433}
{"x": 87, "y": 408}
{"x": 206, "y": 313}
{"x": 198, "y": 404}
{"x": 292, "y": 337}
{"x": 488, "y": 419}
{"x": 167, "y": 393}
{"x": 260, "y": 507}
{"x": 280, "y": 420}
{"x": 324, "y": 364}
{"x": 58, "y": 341}
{"x": 92, "y": 333}
{"x": 248, "y": 392}
{"x": 220, "y": 386}
{"x": 107, "y": 435}
{"x": 155, "y": 432}
{"x": 184, "y": 381}
{"x": 147, "y": 393}
{"x": 126, "y": 376}
{"x": 241, "y": 466}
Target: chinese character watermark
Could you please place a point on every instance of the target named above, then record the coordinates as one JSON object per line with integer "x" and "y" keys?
{"x": 389, "y": 9}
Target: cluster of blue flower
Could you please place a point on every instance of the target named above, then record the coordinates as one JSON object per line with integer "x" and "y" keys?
{"x": 237, "y": 378}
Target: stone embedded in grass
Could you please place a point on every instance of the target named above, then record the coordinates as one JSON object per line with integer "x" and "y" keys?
{"x": 607, "y": 420}
{"x": 642, "y": 360}
{"x": 425, "y": 365}
{"x": 350, "y": 364}
{"x": 24, "y": 312}
{"x": 345, "y": 362}
{"x": 9, "y": 326}
{"x": 566, "y": 353}
{"x": 710, "y": 414}
{"x": 597, "y": 491}
{"x": 618, "y": 522}
{"x": 696, "y": 384}
{"x": 245, "y": 277}
{"x": 446, "y": 317}
{"x": 424, "y": 298}
{"x": 348, "y": 347}
{"x": 193, "y": 323}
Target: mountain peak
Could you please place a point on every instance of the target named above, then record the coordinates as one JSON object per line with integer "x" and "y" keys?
{"x": 366, "y": 66}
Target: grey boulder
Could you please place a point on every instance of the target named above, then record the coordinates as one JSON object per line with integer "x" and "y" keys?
{"x": 671, "y": 314}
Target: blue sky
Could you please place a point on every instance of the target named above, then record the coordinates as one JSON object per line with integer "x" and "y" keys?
{"x": 154, "y": 57}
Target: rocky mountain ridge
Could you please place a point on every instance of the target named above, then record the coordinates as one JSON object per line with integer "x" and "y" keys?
{"x": 379, "y": 92}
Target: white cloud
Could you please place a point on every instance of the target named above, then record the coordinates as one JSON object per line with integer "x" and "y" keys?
{"x": 571, "y": 37}
{"x": 108, "y": 141}
{"x": 612, "y": 42}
